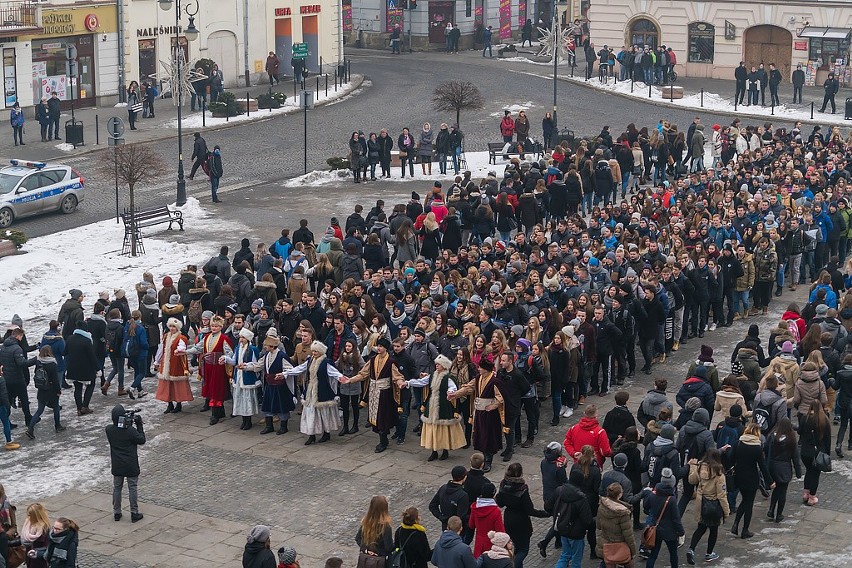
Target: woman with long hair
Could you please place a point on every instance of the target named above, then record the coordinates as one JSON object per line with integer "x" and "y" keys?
{"x": 35, "y": 535}
{"x": 782, "y": 451}
{"x": 814, "y": 437}
{"x": 749, "y": 464}
{"x": 613, "y": 524}
{"x": 711, "y": 493}
{"x": 375, "y": 535}
{"x": 136, "y": 335}
{"x": 64, "y": 540}
{"x": 411, "y": 538}
{"x": 350, "y": 363}
{"x": 462, "y": 372}
{"x": 514, "y": 495}
{"x": 587, "y": 464}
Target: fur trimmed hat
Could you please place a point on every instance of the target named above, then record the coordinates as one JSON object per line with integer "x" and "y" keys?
{"x": 443, "y": 361}
{"x": 247, "y": 334}
{"x": 174, "y": 322}
{"x": 319, "y": 347}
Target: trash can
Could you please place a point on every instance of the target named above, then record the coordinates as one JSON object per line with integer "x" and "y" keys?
{"x": 848, "y": 115}
{"x": 567, "y": 135}
{"x": 74, "y": 132}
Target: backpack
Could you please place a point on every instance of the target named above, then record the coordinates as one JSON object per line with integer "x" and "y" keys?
{"x": 763, "y": 416}
{"x": 131, "y": 347}
{"x": 397, "y": 558}
{"x": 726, "y": 436}
{"x": 113, "y": 338}
{"x": 691, "y": 450}
{"x": 195, "y": 311}
{"x": 40, "y": 378}
{"x": 794, "y": 330}
{"x": 655, "y": 156}
{"x": 603, "y": 166}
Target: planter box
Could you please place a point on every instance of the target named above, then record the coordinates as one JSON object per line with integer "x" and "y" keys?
{"x": 252, "y": 105}
{"x": 7, "y": 248}
{"x": 672, "y": 92}
{"x": 219, "y": 113}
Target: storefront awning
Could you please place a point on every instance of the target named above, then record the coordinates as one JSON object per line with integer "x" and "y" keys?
{"x": 827, "y": 33}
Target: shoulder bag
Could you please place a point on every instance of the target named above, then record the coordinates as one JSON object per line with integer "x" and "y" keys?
{"x": 822, "y": 462}
{"x": 649, "y": 533}
{"x": 366, "y": 560}
{"x": 616, "y": 553}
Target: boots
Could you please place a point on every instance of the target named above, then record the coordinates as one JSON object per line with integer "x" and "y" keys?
{"x": 246, "y": 423}
{"x": 444, "y": 455}
{"x": 326, "y": 436}
{"x": 311, "y": 439}
{"x": 178, "y": 407}
{"x": 528, "y": 442}
{"x": 217, "y": 414}
{"x": 488, "y": 459}
{"x": 282, "y": 428}
{"x": 432, "y": 457}
{"x": 169, "y": 409}
{"x": 204, "y": 408}
{"x": 268, "y": 429}
{"x": 383, "y": 443}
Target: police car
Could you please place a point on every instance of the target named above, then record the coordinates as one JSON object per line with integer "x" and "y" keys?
{"x": 29, "y": 188}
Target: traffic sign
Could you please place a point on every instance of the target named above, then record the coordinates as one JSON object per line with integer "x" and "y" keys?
{"x": 71, "y": 52}
{"x": 115, "y": 127}
{"x": 115, "y": 141}
{"x": 300, "y": 50}
{"x": 307, "y": 100}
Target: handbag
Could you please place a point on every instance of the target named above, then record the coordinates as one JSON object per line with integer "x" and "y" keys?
{"x": 370, "y": 561}
{"x": 403, "y": 154}
{"x": 616, "y": 553}
{"x": 136, "y": 108}
{"x": 17, "y": 556}
{"x": 711, "y": 511}
{"x": 649, "y": 533}
{"x": 822, "y": 462}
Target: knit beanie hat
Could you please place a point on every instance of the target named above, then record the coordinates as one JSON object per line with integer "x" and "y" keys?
{"x": 667, "y": 478}
{"x": 668, "y": 431}
{"x": 694, "y": 403}
{"x": 706, "y": 353}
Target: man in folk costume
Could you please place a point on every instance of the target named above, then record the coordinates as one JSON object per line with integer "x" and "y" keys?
{"x": 244, "y": 383}
{"x": 381, "y": 393}
{"x": 172, "y": 368}
{"x": 319, "y": 404}
{"x": 486, "y": 411}
{"x": 442, "y": 428}
{"x": 212, "y": 348}
{"x": 278, "y": 389}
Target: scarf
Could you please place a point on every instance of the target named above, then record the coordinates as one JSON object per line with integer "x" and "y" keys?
{"x": 414, "y": 527}
{"x": 485, "y": 502}
{"x": 31, "y": 533}
{"x": 59, "y": 538}
{"x": 43, "y": 361}
{"x": 397, "y": 320}
{"x": 411, "y": 308}
{"x": 497, "y": 552}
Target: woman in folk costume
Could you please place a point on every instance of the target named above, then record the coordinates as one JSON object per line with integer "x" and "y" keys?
{"x": 278, "y": 389}
{"x": 487, "y": 411}
{"x": 381, "y": 393}
{"x": 442, "y": 429}
{"x": 212, "y": 348}
{"x": 172, "y": 368}
{"x": 244, "y": 383}
{"x": 319, "y": 407}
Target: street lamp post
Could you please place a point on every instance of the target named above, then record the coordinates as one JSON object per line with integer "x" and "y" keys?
{"x": 191, "y": 33}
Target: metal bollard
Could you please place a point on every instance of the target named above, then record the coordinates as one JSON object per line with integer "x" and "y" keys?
{"x": 203, "y": 113}
{"x": 248, "y": 106}
{"x": 735, "y": 104}
{"x": 270, "y": 99}
{"x": 631, "y": 84}
{"x": 772, "y": 109}
{"x": 97, "y": 132}
{"x": 326, "y": 85}
{"x": 649, "y": 90}
{"x": 812, "y": 110}
{"x": 317, "y": 90}
{"x": 702, "y": 98}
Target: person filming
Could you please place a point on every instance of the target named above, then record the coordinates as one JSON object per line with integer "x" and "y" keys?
{"x": 125, "y": 434}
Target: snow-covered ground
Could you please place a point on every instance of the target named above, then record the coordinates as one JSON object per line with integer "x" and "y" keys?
{"x": 477, "y": 163}
{"x": 290, "y": 105}
{"x": 513, "y": 108}
{"x": 712, "y": 101}
{"x": 34, "y": 285}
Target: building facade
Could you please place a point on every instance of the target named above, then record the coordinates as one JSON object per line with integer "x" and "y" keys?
{"x": 710, "y": 38}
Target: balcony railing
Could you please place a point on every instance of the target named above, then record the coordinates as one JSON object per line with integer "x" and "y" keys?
{"x": 18, "y": 15}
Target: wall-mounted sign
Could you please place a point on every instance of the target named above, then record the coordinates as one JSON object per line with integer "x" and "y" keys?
{"x": 91, "y": 22}
{"x": 282, "y": 12}
{"x": 312, "y": 9}
{"x": 158, "y": 31}
{"x": 800, "y": 45}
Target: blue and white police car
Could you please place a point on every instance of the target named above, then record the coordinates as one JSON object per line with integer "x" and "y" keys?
{"x": 29, "y": 188}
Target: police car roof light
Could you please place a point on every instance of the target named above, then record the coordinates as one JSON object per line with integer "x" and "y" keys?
{"x": 28, "y": 164}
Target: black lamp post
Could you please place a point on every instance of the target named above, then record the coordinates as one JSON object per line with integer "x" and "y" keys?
{"x": 191, "y": 33}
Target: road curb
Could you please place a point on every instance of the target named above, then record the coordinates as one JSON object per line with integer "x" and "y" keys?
{"x": 355, "y": 84}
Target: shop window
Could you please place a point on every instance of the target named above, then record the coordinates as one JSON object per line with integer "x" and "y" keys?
{"x": 644, "y": 33}
{"x": 702, "y": 38}
{"x": 826, "y": 51}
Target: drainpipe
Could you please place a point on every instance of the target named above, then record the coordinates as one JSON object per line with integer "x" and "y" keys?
{"x": 121, "y": 50}
{"x": 246, "y": 40}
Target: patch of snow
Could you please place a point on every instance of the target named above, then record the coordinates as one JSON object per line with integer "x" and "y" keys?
{"x": 513, "y": 108}
{"x": 34, "y": 285}
{"x": 775, "y": 530}
{"x": 65, "y": 147}
{"x": 841, "y": 467}
{"x": 477, "y": 164}
{"x": 291, "y": 105}
{"x": 120, "y": 105}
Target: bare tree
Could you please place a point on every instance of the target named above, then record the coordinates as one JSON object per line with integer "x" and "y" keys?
{"x": 456, "y": 96}
{"x": 131, "y": 165}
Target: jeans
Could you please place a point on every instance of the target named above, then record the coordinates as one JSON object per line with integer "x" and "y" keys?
{"x": 779, "y": 278}
{"x": 488, "y": 47}
{"x": 117, "y": 486}
{"x": 117, "y": 362}
{"x": 587, "y": 202}
{"x": 625, "y": 181}
{"x": 456, "y": 155}
{"x": 202, "y": 100}
{"x": 808, "y": 260}
{"x": 18, "y": 134}
{"x": 572, "y": 553}
{"x": 797, "y": 93}
{"x": 655, "y": 552}
{"x": 83, "y": 397}
{"x": 649, "y": 75}
{"x": 697, "y": 164}
{"x": 795, "y": 261}
{"x": 442, "y": 163}
{"x": 214, "y": 187}
{"x": 54, "y": 124}
{"x": 19, "y": 390}
{"x": 741, "y": 297}
{"x": 7, "y": 426}
{"x": 530, "y": 406}
{"x": 395, "y": 45}
{"x": 520, "y": 555}
{"x": 139, "y": 370}
{"x": 37, "y": 416}
{"x": 604, "y": 365}
{"x": 762, "y": 293}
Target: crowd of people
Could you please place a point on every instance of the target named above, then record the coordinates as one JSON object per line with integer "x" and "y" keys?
{"x": 485, "y": 302}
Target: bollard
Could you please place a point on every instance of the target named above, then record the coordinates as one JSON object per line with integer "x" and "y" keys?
{"x": 335, "y": 81}
{"x": 671, "y": 93}
{"x": 812, "y": 110}
{"x": 631, "y": 84}
{"x": 772, "y": 110}
{"x": 735, "y": 104}
{"x": 97, "y": 132}
{"x": 317, "y": 90}
{"x": 270, "y": 99}
{"x": 326, "y": 85}
{"x": 204, "y": 114}
{"x": 294, "y": 88}
{"x": 649, "y": 90}
{"x": 248, "y": 106}
{"x": 702, "y": 98}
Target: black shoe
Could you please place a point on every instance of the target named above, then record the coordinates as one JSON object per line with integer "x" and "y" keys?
{"x": 311, "y": 439}
{"x": 60, "y": 428}
{"x": 507, "y": 457}
{"x": 770, "y": 514}
{"x": 735, "y": 530}
{"x": 205, "y": 408}
{"x": 779, "y": 517}
{"x": 343, "y": 431}
{"x": 528, "y": 443}
{"x": 354, "y": 428}
{"x": 417, "y": 429}
{"x": 30, "y": 433}
{"x": 444, "y": 455}
{"x": 178, "y": 407}
{"x": 836, "y": 451}
{"x": 214, "y": 420}
{"x": 555, "y": 421}
{"x": 282, "y": 428}
{"x": 746, "y": 534}
{"x": 269, "y": 428}
{"x": 778, "y": 292}
{"x": 217, "y": 201}
{"x": 400, "y": 441}
{"x": 326, "y": 436}
{"x": 116, "y": 516}
{"x": 169, "y": 409}
{"x": 486, "y": 467}
{"x": 542, "y": 549}
{"x": 690, "y": 557}
{"x": 380, "y": 448}
{"x": 700, "y": 334}
{"x": 136, "y": 517}
{"x": 432, "y": 457}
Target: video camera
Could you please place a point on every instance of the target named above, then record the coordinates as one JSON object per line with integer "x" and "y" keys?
{"x": 128, "y": 418}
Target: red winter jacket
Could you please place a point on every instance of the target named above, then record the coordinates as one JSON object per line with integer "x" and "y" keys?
{"x": 482, "y": 520}
{"x": 588, "y": 432}
{"x": 507, "y": 128}
{"x": 800, "y": 323}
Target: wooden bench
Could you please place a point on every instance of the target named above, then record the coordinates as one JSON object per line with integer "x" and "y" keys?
{"x": 153, "y": 216}
{"x": 495, "y": 148}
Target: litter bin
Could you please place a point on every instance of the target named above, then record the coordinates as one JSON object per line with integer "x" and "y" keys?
{"x": 848, "y": 115}
{"x": 74, "y": 132}
{"x": 567, "y": 135}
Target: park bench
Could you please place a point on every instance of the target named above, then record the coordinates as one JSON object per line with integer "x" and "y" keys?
{"x": 153, "y": 216}
{"x": 496, "y": 148}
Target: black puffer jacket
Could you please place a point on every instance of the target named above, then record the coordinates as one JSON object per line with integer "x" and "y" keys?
{"x": 123, "y": 443}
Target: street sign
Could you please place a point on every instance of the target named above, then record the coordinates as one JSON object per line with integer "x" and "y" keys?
{"x": 115, "y": 141}
{"x": 115, "y": 127}
{"x": 300, "y": 50}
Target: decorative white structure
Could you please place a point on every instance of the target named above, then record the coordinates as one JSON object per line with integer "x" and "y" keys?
{"x": 180, "y": 76}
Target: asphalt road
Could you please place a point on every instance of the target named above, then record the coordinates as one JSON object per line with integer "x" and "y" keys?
{"x": 397, "y": 94}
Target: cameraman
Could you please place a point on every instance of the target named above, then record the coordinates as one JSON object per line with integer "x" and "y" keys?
{"x": 125, "y": 460}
